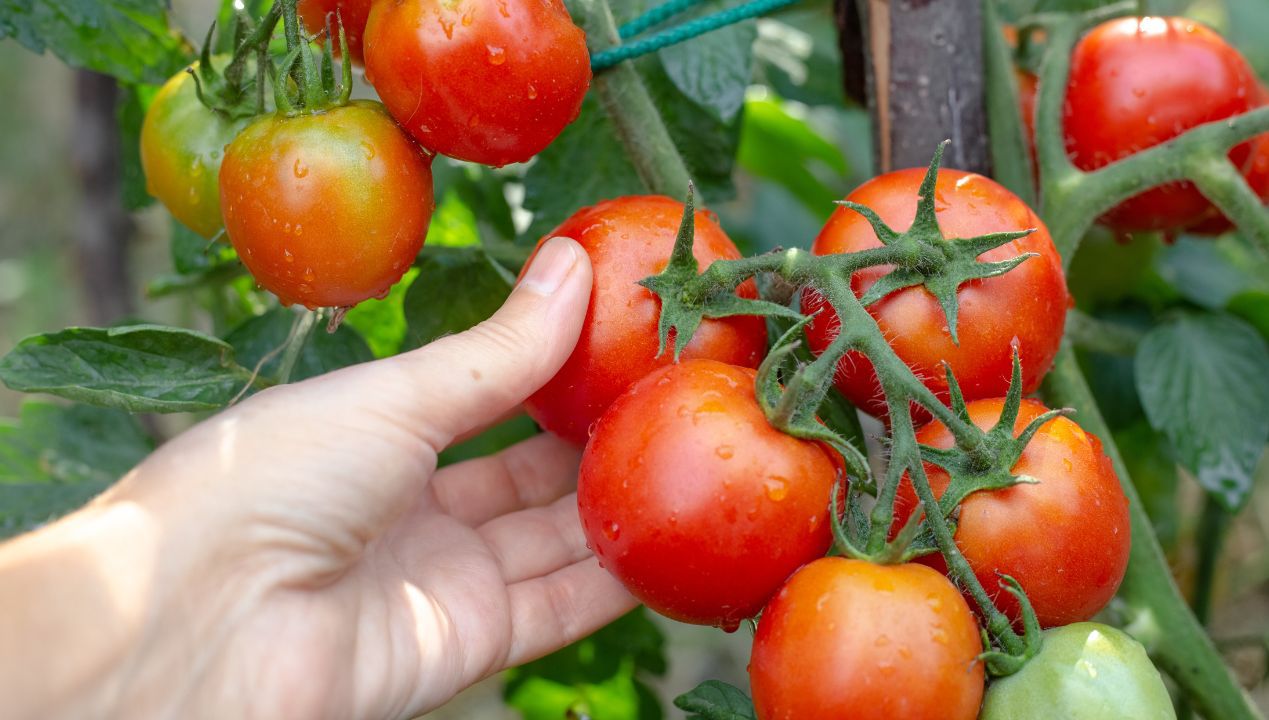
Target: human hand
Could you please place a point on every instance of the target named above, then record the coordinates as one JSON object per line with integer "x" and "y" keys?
{"x": 299, "y": 555}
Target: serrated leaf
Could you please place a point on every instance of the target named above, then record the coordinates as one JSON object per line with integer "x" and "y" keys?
{"x": 715, "y": 700}
{"x": 322, "y": 353}
{"x": 1203, "y": 384}
{"x": 455, "y": 289}
{"x": 129, "y": 39}
{"x": 715, "y": 69}
{"x": 138, "y": 368}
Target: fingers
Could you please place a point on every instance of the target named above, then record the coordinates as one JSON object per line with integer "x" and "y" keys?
{"x": 536, "y": 541}
{"x": 531, "y": 473}
{"x": 552, "y": 611}
{"x": 464, "y": 381}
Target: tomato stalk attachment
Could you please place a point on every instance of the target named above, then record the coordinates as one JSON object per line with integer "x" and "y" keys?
{"x": 316, "y": 88}
{"x": 229, "y": 93}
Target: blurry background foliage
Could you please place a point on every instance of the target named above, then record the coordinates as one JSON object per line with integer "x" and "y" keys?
{"x": 759, "y": 114}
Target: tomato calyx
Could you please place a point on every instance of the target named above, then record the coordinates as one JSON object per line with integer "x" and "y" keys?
{"x": 237, "y": 91}
{"x": 927, "y": 258}
{"x": 1001, "y": 663}
{"x": 689, "y": 296}
{"x": 316, "y": 88}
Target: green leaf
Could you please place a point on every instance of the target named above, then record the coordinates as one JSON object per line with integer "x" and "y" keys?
{"x": 382, "y": 322}
{"x": 587, "y": 163}
{"x": 193, "y": 254}
{"x": 138, "y": 368}
{"x": 1154, "y": 473}
{"x": 715, "y": 69}
{"x": 598, "y": 676}
{"x": 324, "y": 352}
{"x": 714, "y": 700}
{"x": 55, "y": 458}
{"x": 456, "y": 288}
{"x": 1252, "y": 306}
{"x": 129, "y": 39}
{"x": 1010, "y": 157}
{"x": 453, "y": 223}
{"x": 1203, "y": 384}
{"x": 797, "y": 55}
{"x": 1210, "y": 272}
{"x": 786, "y": 150}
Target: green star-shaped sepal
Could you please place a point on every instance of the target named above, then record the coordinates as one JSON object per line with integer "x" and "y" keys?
{"x": 687, "y": 296}
{"x": 941, "y": 265}
{"x": 1000, "y": 663}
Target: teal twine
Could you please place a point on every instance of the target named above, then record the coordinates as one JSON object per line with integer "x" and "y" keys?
{"x": 655, "y": 16}
{"x": 686, "y": 31}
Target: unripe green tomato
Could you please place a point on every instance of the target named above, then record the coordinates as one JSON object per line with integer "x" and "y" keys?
{"x": 182, "y": 143}
{"x": 1085, "y": 671}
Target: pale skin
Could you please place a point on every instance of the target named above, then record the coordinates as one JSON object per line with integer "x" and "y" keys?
{"x": 300, "y": 556}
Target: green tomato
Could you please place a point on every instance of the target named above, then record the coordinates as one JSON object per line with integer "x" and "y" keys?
{"x": 1087, "y": 671}
{"x": 181, "y": 147}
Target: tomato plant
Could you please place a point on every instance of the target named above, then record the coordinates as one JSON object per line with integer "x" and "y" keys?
{"x": 708, "y": 484}
{"x": 1085, "y": 670}
{"x": 844, "y": 638}
{"x": 1023, "y": 309}
{"x": 694, "y": 501}
{"x": 1063, "y": 534}
{"x": 628, "y": 239}
{"x": 523, "y": 64}
{"x": 1136, "y": 82}
{"x": 326, "y": 210}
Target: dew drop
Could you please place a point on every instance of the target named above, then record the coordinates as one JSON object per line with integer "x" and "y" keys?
{"x": 502, "y": 9}
{"x": 612, "y": 530}
{"x": 730, "y": 626}
{"x": 532, "y": 92}
{"x": 882, "y": 640}
{"x": 467, "y": 19}
{"x": 725, "y": 451}
{"x": 447, "y": 26}
{"x": 286, "y": 255}
{"x": 308, "y": 275}
{"x": 497, "y": 55}
{"x": 777, "y": 488}
{"x": 368, "y": 150}
{"x": 300, "y": 168}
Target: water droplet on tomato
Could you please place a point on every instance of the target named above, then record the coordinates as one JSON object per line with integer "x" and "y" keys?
{"x": 532, "y": 92}
{"x": 612, "y": 530}
{"x": 934, "y": 601}
{"x": 882, "y": 640}
{"x": 368, "y": 150}
{"x": 502, "y": 9}
{"x": 299, "y": 229}
{"x": 300, "y": 168}
{"x": 725, "y": 451}
{"x": 286, "y": 254}
{"x": 497, "y": 55}
{"x": 467, "y": 19}
{"x": 777, "y": 488}
{"x": 308, "y": 275}
{"x": 730, "y": 626}
{"x": 447, "y": 26}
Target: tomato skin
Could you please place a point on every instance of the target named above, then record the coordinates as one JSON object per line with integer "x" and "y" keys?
{"x": 1084, "y": 670}
{"x": 627, "y": 240}
{"x": 353, "y": 13}
{"x": 1025, "y": 307}
{"x": 1065, "y": 538}
{"x": 1138, "y": 82}
{"x": 328, "y": 209}
{"x": 849, "y": 639}
{"x": 182, "y": 144}
{"x": 489, "y": 81}
{"x": 695, "y": 502}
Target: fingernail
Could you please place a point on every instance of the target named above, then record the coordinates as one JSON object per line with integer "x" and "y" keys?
{"x": 551, "y": 265}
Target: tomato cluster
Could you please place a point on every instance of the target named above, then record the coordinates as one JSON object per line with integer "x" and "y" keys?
{"x": 710, "y": 515}
{"x": 328, "y": 202}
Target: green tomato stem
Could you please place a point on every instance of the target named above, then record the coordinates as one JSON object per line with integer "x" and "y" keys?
{"x": 301, "y": 329}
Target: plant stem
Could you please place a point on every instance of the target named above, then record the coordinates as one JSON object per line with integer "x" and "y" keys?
{"x": 1213, "y": 524}
{"x": 639, "y": 125}
{"x": 1175, "y": 639}
{"x": 1090, "y": 333}
{"x": 301, "y": 329}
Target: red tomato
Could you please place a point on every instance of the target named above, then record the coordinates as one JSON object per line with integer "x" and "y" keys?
{"x": 1024, "y": 308}
{"x": 490, "y": 81}
{"x": 849, "y": 639}
{"x": 1065, "y": 538}
{"x": 629, "y": 239}
{"x": 327, "y": 209}
{"x": 694, "y": 502}
{"x": 1137, "y": 82}
{"x": 353, "y": 13}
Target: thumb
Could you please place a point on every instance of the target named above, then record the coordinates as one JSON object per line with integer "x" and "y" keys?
{"x": 465, "y": 381}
